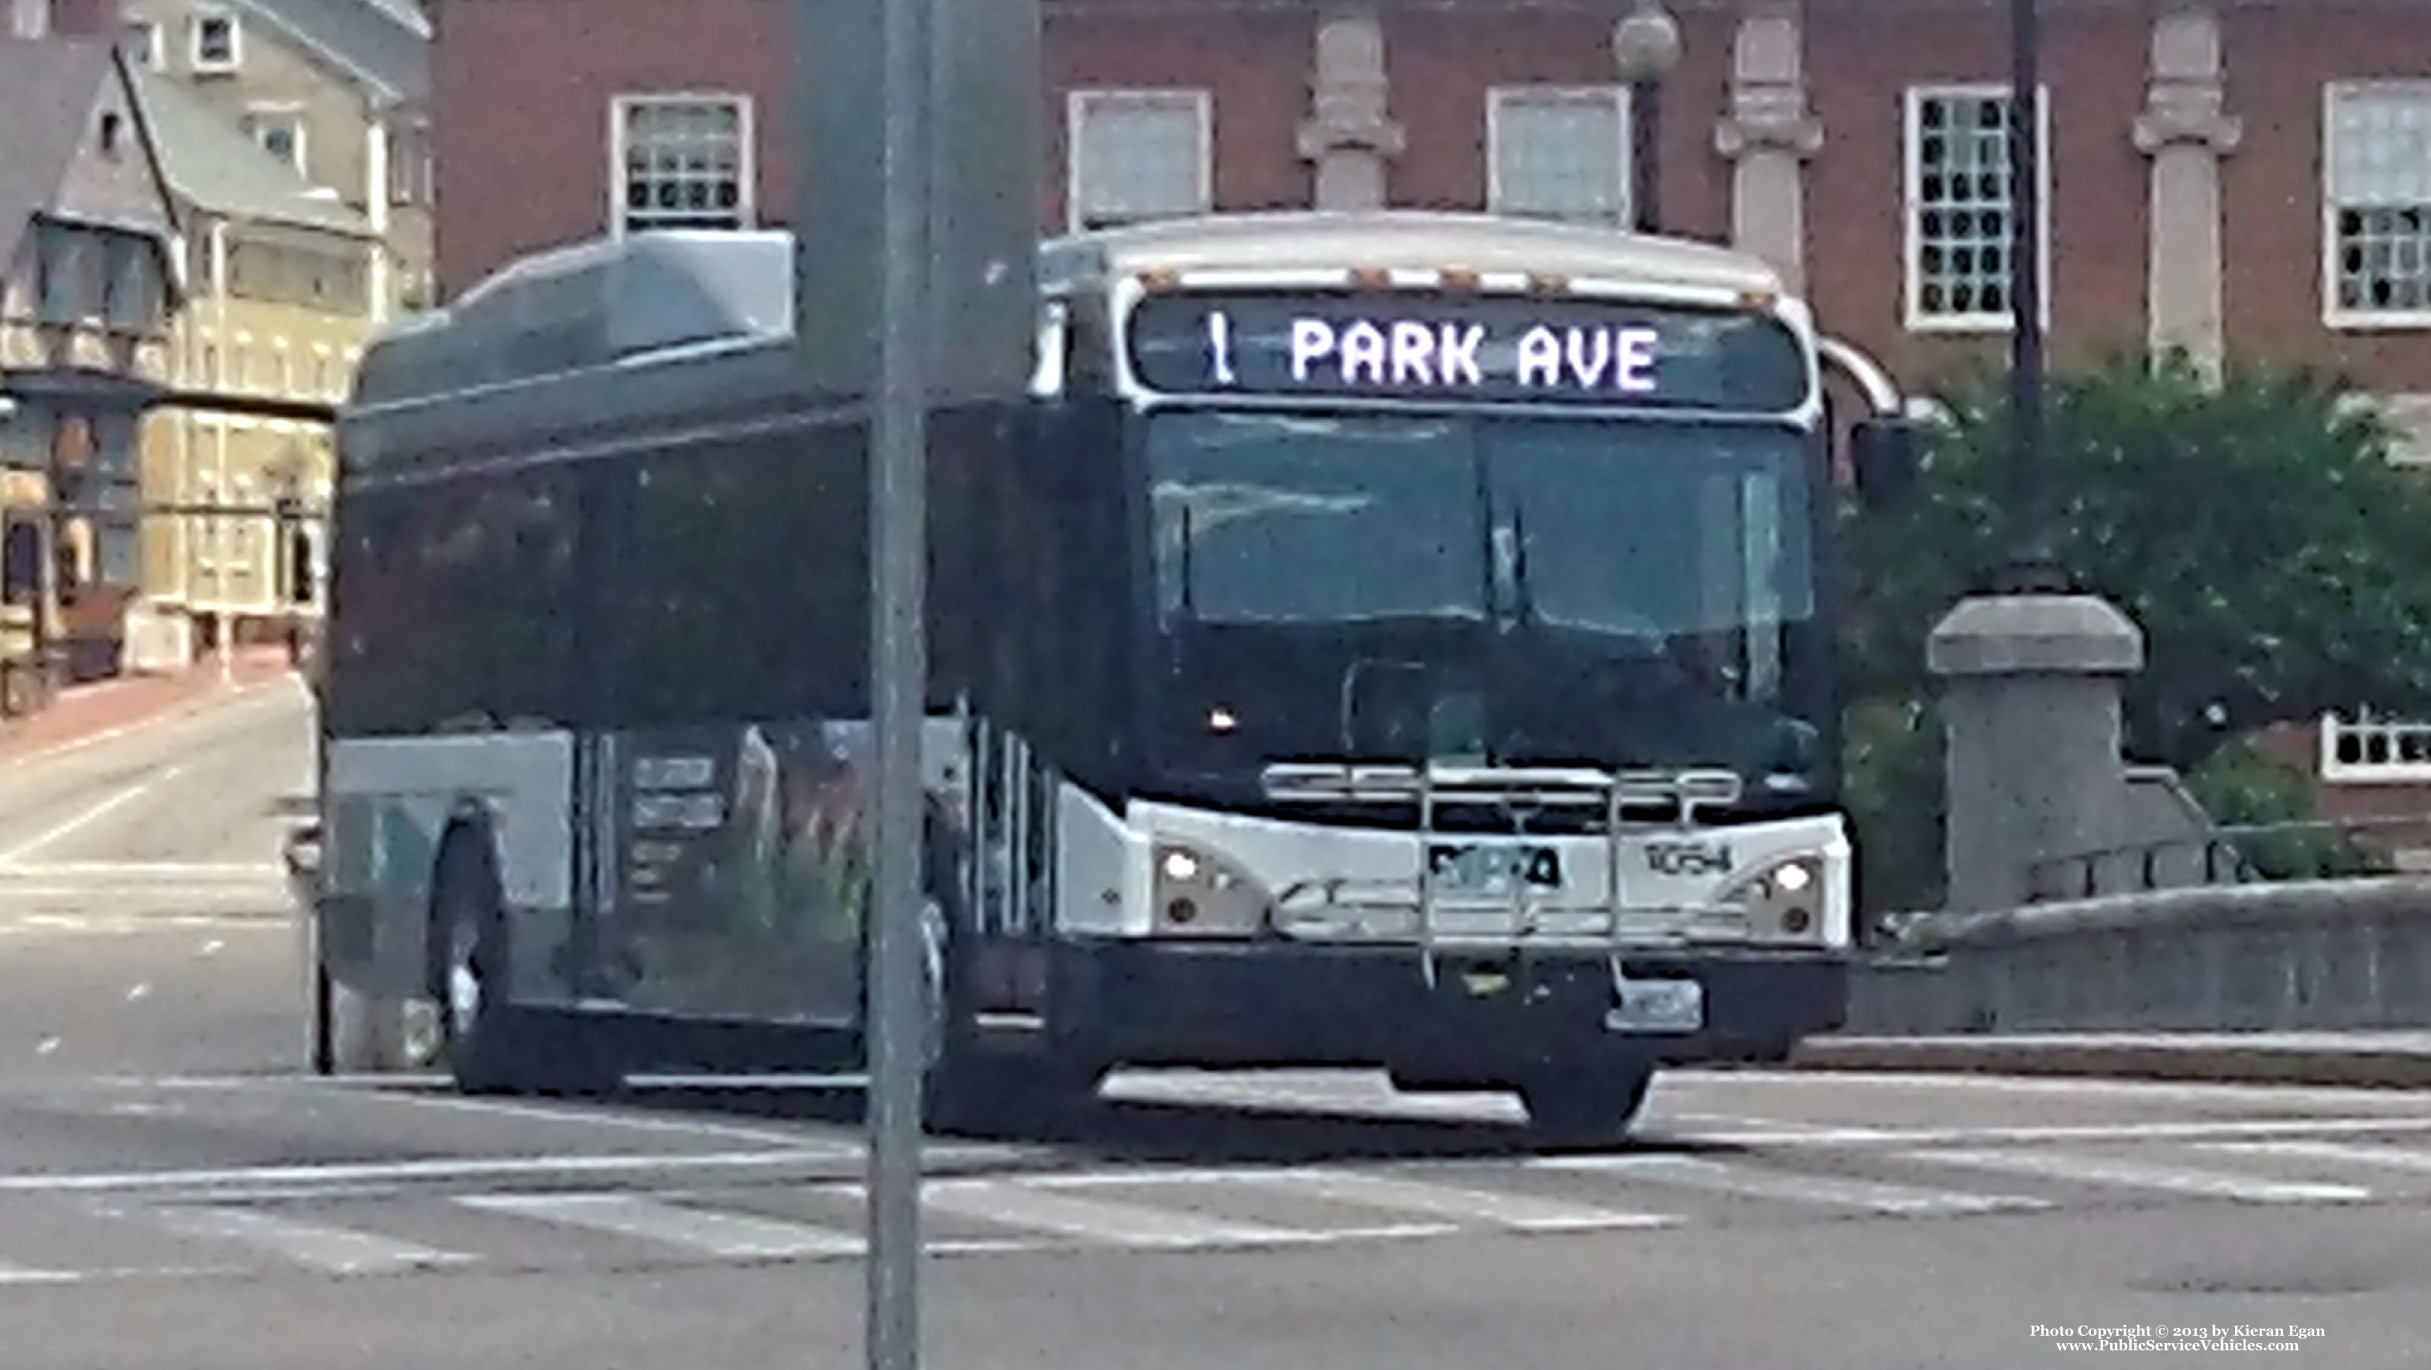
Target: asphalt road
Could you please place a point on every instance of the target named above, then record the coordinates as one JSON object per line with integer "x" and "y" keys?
{"x": 175, "y": 1194}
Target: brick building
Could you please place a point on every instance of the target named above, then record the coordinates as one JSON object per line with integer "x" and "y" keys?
{"x": 2242, "y": 176}
{"x": 2246, "y": 178}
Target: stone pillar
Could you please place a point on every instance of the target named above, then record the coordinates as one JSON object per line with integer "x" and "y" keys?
{"x": 1349, "y": 134}
{"x": 1768, "y": 135}
{"x": 2184, "y": 130}
{"x": 2031, "y": 702}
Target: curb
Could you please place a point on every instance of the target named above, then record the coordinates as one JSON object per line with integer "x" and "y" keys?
{"x": 2208, "y": 1058}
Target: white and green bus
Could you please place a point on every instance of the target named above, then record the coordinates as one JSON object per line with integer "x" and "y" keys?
{"x": 1398, "y": 640}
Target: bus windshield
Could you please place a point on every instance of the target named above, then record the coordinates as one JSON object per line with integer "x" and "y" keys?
{"x": 1536, "y": 567}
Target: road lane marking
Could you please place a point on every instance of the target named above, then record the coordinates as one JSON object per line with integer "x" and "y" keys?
{"x": 2078, "y": 1168}
{"x": 586, "y": 1118}
{"x": 90, "y": 814}
{"x": 726, "y": 1235}
{"x": 1520, "y": 1212}
{"x": 1689, "y": 1172}
{"x": 2153, "y": 1091}
{"x": 336, "y": 1250}
{"x": 1369, "y": 1190}
{"x": 456, "y": 1168}
{"x": 1012, "y": 1204}
{"x": 2122, "y": 1132}
{"x": 242, "y": 872}
{"x": 2344, "y": 1153}
{"x": 32, "y": 926}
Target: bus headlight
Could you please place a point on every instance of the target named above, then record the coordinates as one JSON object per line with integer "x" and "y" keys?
{"x": 1201, "y": 893}
{"x": 1784, "y": 899}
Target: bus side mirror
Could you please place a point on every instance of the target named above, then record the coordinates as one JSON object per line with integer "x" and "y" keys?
{"x": 1883, "y": 455}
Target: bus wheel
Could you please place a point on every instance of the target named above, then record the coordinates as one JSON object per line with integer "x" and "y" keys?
{"x": 956, "y": 1091}
{"x": 476, "y": 1030}
{"x": 968, "y": 1086}
{"x": 492, "y": 1047}
{"x": 1587, "y": 1103}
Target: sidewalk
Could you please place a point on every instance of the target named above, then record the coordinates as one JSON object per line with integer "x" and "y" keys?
{"x": 2396, "y": 1059}
{"x": 104, "y": 708}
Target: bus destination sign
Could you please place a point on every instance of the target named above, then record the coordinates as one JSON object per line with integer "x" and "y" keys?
{"x": 1506, "y": 349}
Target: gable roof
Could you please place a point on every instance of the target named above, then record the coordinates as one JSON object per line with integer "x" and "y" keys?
{"x": 210, "y": 163}
{"x": 47, "y": 88}
{"x": 383, "y": 44}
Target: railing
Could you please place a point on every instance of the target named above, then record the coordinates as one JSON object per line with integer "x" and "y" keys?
{"x": 2238, "y": 854}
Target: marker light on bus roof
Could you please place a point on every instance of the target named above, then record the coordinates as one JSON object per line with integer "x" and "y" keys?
{"x": 1459, "y": 278}
{"x": 1371, "y": 278}
{"x": 1548, "y": 285}
{"x": 1160, "y": 278}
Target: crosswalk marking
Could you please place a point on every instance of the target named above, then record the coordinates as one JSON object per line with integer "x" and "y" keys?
{"x": 1693, "y": 1173}
{"x": 733, "y": 1236}
{"x": 338, "y": 1250}
{"x": 2346, "y": 1153}
{"x": 1523, "y": 1212}
{"x": 1204, "y": 1208}
{"x": 1012, "y": 1204}
{"x": 2108, "y": 1170}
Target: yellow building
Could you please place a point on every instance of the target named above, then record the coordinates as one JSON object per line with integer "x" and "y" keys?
{"x": 281, "y": 299}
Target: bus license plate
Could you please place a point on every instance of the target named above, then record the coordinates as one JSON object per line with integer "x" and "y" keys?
{"x": 1490, "y": 868}
{"x": 1657, "y": 1006}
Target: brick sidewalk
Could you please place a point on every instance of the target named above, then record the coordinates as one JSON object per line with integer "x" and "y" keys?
{"x": 85, "y": 711}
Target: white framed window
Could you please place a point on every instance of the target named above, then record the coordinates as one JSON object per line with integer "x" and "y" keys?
{"x": 144, "y": 45}
{"x": 215, "y": 40}
{"x": 1960, "y": 210}
{"x": 681, "y": 161}
{"x": 2376, "y": 204}
{"x": 1137, "y": 154}
{"x": 280, "y": 131}
{"x": 1558, "y": 152}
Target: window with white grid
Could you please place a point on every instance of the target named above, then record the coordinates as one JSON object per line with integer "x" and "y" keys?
{"x": 1137, "y": 154}
{"x": 2379, "y": 202}
{"x": 1961, "y": 206}
{"x": 1558, "y": 152}
{"x": 682, "y": 161}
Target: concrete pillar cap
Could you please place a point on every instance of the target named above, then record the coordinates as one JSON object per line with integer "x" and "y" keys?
{"x": 2008, "y": 635}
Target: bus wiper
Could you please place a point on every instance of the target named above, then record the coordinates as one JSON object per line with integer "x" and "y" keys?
{"x": 1523, "y": 598}
{"x": 1514, "y": 602}
{"x": 1188, "y": 550}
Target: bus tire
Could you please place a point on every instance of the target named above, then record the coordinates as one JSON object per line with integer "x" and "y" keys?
{"x": 490, "y": 1046}
{"x": 1588, "y": 1104}
{"x": 970, "y": 1087}
{"x": 468, "y": 964}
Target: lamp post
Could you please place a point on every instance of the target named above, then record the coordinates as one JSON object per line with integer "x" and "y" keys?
{"x": 1645, "y": 47}
{"x": 2032, "y": 565}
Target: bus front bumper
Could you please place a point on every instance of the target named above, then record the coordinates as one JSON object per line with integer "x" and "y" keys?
{"x": 1259, "y": 1004}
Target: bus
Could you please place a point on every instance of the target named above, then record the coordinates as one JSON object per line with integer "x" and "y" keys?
{"x": 1392, "y": 640}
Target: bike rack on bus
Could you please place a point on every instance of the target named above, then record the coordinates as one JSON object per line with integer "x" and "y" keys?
{"x": 1520, "y": 794}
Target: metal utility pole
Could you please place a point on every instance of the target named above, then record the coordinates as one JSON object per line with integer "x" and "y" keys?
{"x": 929, "y": 209}
{"x": 899, "y": 676}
